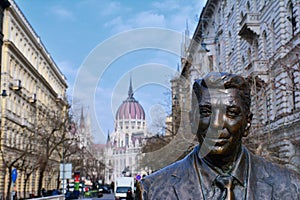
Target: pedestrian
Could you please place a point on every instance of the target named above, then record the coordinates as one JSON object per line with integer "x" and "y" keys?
{"x": 129, "y": 195}
{"x": 43, "y": 192}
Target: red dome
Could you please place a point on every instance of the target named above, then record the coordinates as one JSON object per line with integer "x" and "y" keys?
{"x": 130, "y": 108}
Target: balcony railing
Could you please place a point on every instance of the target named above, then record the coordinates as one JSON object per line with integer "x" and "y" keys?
{"x": 250, "y": 18}
{"x": 250, "y": 26}
{"x": 257, "y": 67}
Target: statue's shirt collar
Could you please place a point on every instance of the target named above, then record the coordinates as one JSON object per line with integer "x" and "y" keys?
{"x": 239, "y": 171}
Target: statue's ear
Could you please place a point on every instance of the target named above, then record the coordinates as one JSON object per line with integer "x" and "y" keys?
{"x": 248, "y": 125}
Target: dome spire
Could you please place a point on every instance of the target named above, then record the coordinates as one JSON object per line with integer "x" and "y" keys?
{"x": 130, "y": 91}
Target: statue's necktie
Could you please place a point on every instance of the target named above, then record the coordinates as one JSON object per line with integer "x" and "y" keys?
{"x": 225, "y": 183}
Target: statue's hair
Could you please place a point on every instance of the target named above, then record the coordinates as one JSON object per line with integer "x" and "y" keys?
{"x": 223, "y": 80}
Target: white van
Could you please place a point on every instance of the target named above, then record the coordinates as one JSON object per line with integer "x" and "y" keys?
{"x": 122, "y": 185}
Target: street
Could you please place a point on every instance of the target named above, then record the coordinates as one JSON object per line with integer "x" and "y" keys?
{"x": 108, "y": 196}
{"x": 105, "y": 197}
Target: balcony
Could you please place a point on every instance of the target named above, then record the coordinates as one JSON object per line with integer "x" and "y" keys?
{"x": 32, "y": 98}
{"x": 250, "y": 26}
{"x": 16, "y": 85}
{"x": 257, "y": 67}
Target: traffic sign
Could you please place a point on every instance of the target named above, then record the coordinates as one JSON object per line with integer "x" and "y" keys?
{"x": 14, "y": 175}
{"x": 138, "y": 177}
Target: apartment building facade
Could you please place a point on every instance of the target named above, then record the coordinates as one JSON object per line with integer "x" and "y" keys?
{"x": 31, "y": 86}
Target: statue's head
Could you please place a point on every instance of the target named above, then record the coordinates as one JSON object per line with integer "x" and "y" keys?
{"x": 220, "y": 113}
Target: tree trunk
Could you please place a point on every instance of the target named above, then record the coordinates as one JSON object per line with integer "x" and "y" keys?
{"x": 58, "y": 181}
{"x": 41, "y": 177}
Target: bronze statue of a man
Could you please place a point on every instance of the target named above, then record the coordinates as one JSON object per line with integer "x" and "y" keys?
{"x": 220, "y": 167}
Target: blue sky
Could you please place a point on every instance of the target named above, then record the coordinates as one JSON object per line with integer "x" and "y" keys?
{"x": 99, "y": 44}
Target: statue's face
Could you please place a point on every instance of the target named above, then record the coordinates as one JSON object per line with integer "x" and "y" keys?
{"x": 222, "y": 121}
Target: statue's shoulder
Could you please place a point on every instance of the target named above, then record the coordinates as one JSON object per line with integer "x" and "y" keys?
{"x": 162, "y": 176}
{"x": 273, "y": 171}
{"x": 160, "y": 183}
{"x": 271, "y": 166}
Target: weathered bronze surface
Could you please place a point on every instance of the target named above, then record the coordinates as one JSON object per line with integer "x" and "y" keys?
{"x": 220, "y": 167}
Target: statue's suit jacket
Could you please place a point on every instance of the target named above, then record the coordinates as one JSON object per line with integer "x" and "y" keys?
{"x": 180, "y": 181}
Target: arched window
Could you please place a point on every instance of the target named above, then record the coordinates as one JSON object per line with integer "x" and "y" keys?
{"x": 273, "y": 35}
{"x": 249, "y": 56}
{"x": 264, "y": 43}
{"x": 219, "y": 17}
{"x": 243, "y": 61}
{"x": 230, "y": 42}
{"x": 291, "y": 18}
{"x": 242, "y": 15}
{"x": 127, "y": 139}
{"x": 255, "y": 49}
{"x": 248, "y": 7}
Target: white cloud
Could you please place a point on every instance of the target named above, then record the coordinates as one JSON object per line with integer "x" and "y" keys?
{"x": 177, "y": 20}
{"x": 62, "y": 13}
{"x": 148, "y": 19}
{"x": 139, "y": 20}
{"x": 117, "y": 25}
{"x": 111, "y": 9}
{"x": 166, "y": 5}
{"x": 166, "y": 14}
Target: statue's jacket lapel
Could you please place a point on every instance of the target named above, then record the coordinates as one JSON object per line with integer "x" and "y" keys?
{"x": 258, "y": 186}
{"x": 185, "y": 179}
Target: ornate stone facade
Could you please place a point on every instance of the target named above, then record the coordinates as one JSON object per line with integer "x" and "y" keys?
{"x": 31, "y": 85}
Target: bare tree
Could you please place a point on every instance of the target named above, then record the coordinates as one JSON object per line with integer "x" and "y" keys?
{"x": 17, "y": 151}
{"x": 52, "y": 132}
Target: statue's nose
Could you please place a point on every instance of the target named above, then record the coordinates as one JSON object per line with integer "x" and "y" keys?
{"x": 217, "y": 119}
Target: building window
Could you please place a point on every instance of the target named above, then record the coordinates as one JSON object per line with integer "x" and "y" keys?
{"x": 219, "y": 17}
{"x": 248, "y": 6}
{"x": 273, "y": 35}
{"x": 249, "y": 56}
{"x": 127, "y": 139}
{"x": 264, "y": 43}
{"x": 293, "y": 88}
{"x": 230, "y": 42}
{"x": 291, "y": 18}
{"x": 255, "y": 48}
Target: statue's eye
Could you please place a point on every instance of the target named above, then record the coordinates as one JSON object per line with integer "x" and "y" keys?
{"x": 233, "y": 112}
{"x": 205, "y": 111}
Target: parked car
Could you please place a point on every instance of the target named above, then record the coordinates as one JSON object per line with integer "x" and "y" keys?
{"x": 104, "y": 189}
{"x": 71, "y": 195}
